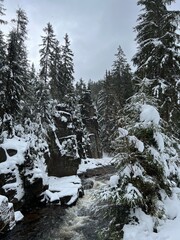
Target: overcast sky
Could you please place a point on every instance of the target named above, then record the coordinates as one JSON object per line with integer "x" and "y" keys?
{"x": 96, "y": 28}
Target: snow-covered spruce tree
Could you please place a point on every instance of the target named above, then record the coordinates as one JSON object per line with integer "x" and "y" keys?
{"x": 107, "y": 107}
{"x": 47, "y": 48}
{"x": 17, "y": 63}
{"x": 122, "y": 77}
{"x": 46, "y": 52}
{"x": 158, "y": 56}
{"x": 2, "y": 10}
{"x": 116, "y": 89}
{"x": 95, "y": 87}
{"x": 67, "y": 67}
{"x": 147, "y": 159}
{"x": 56, "y": 74}
{"x": 2, "y": 68}
{"x": 2, "y": 74}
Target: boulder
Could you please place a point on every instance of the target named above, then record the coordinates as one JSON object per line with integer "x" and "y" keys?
{"x": 87, "y": 184}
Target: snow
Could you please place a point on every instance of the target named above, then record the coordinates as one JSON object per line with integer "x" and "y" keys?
{"x": 141, "y": 231}
{"x": 149, "y": 114}
{"x": 18, "y": 144}
{"x": 122, "y": 132}
{"x": 137, "y": 143}
{"x": 91, "y": 163}
{"x": 18, "y": 216}
{"x": 62, "y": 187}
{"x": 63, "y": 119}
{"x": 11, "y": 168}
{"x": 160, "y": 141}
{"x": 167, "y": 228}
{"x": 3, "y": 199}
{"x": 113, "y": 181}
{"x": 69, "y": 186}
{"x": 132, "y": 192}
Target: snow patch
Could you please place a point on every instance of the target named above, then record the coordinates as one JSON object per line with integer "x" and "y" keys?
{"x": 18, "y": 216}
{"x": 167, "y": 229}
{"x": 122, "y": 132}
{"x": 149, "y": 114}
{"x": 160, "y": 141}
{"x": 114, "y": 180}
{"x": 137, "y": 143}
{"x": 91, "y": 163}
{"x": 63, "y": 187}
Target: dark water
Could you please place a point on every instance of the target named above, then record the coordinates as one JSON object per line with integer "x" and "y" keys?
{"x": 40, "y": 224}
{"x": 80, "y": 222}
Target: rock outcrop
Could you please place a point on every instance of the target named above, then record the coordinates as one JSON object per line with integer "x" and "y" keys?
{"x": 89, "y": 119}
{"x": 21, "y": 180}
{"x": 63, "y": 158}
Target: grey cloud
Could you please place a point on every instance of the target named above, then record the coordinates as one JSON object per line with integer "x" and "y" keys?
{"x": 95, "y": 28}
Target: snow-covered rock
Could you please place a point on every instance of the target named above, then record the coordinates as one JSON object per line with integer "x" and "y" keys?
{"x": 7, "y": 219}
{"x": 63, "y": 187}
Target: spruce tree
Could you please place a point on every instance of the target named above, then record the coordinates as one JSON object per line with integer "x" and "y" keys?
{"x": 2, "y": 74}
{"x": 67, "y": 67}
{"x": 122, "y": 77}
{"x": 2, "y": 65}
{"x": 46, "y": 53}
{"x": 147, "y": 170}
{"x": 158, "y": 58}
{"x": 2, "y": 10}
{"x": 17, "y": 73}
{"x": 107, "y": 107}
{"x": 56, "y": 73}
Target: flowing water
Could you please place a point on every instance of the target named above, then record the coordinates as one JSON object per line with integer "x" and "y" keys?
{"x": 80, "y": 222}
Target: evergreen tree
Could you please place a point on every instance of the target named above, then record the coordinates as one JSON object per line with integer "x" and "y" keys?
{"x": 17, "y": 73}
{"x": 56, "y": 74}
{"x": 2, "y": 74}
{"x": 2, "y": 65}
{"x": 95, "y": 88}
{"x": 107, "y": 107}
{"x": 48, "y": 46}
{"x": 2, "y": 9}
{"x": 122, "y": 77}
{"x": 46, "y": 53}
{"x": 158, "y": 58}
{"x": 67, "y": 67}
{"x": 80, "y": 88}
{"x": 147, "y": 170}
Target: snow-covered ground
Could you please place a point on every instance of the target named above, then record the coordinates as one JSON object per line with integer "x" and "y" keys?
{"x": 91, "y": 163}
{"x": 166, "y": 229}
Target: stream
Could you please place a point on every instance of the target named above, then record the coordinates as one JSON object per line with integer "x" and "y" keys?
{"x": 80, "y": 222}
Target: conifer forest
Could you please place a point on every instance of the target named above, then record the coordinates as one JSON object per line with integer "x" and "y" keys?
{"x": 94, "y": 159}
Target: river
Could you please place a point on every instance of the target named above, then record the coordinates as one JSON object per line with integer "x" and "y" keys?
{"x": 80, "y": 222}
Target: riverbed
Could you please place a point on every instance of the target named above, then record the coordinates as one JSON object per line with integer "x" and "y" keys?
{"x": 79, "y": 222}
